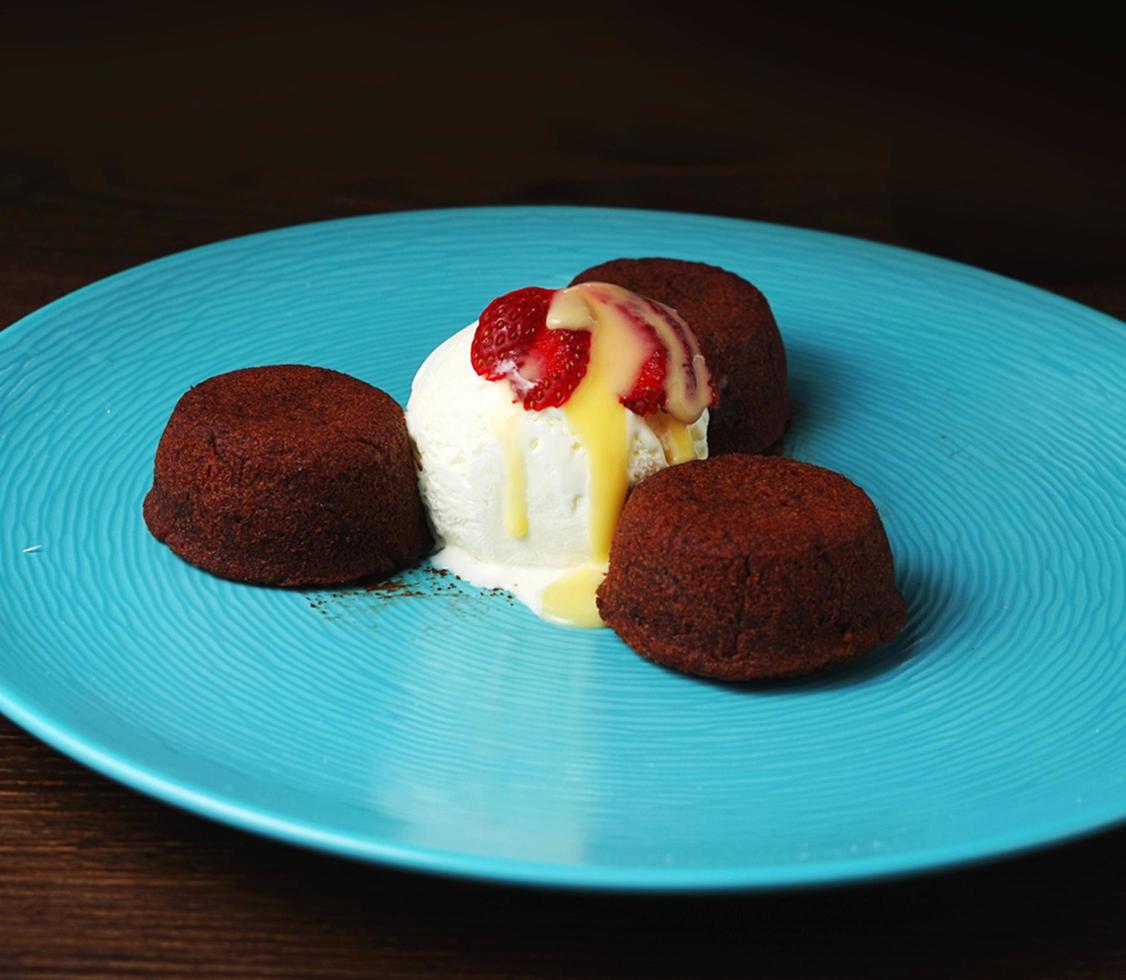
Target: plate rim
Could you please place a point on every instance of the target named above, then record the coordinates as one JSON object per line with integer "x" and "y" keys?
{"x": 584, "y": 877}
{"x": 52, "y": 306}
{"x": 124, "y": 769}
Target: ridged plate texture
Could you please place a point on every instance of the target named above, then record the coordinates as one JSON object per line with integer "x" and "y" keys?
{"x": 435, "y": 727}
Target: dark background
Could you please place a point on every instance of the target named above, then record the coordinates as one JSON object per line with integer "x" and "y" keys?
{"x": 132, "y": 130}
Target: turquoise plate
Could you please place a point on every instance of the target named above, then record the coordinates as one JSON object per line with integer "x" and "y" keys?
{"x": 433, "y": 727}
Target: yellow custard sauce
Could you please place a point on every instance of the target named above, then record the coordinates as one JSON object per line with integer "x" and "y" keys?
{"x": 595, "y": 411}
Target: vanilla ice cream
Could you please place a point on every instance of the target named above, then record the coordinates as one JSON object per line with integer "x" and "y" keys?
{"x": 511, "y": 493}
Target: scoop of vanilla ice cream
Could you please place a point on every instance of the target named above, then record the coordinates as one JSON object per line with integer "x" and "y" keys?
{"x": 466, "y": 428}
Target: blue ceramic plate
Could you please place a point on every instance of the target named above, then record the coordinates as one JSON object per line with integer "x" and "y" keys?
{"x": 435, "y": 727}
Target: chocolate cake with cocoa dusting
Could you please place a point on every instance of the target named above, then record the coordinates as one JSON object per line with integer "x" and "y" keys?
{"x": 737, "y": 334}
{"x": 744, "y": 567}
{"x": 287, "y": 475}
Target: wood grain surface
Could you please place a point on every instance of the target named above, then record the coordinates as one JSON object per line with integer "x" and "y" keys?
{"x": 131, "y": 131}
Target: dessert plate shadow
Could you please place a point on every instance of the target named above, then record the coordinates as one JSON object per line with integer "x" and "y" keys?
{"x": 431, "y": 726}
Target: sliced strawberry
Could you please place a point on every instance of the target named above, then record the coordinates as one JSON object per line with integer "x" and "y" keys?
{"x": 513, "y": 342}
{"x": 506, "y": 330}
{"x": 558, "y": 359}
{"x": 648, "y": 392}
{"x": 687, "y": 382}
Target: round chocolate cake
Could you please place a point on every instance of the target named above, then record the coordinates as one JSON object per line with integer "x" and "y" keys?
{"x": 738, "y": 337}
{"x": 287, "y": 475}
{"x": 744, "y": 567}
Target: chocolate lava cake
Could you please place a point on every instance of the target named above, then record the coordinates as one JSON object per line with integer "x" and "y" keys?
{"x": 737, "y": 334}
{"x": 743, "y": 567}
{"x": 287, "y": 475}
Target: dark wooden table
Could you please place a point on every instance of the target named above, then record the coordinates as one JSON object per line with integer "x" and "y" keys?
{"x": 131, "y": 132}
